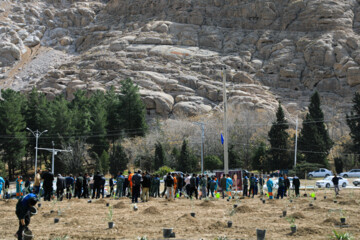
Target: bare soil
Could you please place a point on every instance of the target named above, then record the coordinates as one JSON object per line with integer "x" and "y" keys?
{"x": 82, "y": 220}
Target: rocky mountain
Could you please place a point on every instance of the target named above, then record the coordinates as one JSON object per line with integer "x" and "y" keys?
{"x": 175, "y": 50}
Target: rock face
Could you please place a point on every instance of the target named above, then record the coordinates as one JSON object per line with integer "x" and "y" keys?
{"x": 175, "y": 50}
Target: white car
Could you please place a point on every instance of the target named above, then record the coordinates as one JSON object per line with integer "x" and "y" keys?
{"x": 327, "y": 182}
{"x": 356, "y": 182}
{"x": 351, "y": 173}
{"x": 322, "y": 172}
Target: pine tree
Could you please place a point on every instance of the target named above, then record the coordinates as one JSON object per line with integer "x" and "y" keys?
{"x": 314, "y": 141}
{"x": 118, "y": 161}
{"x": 187, "y": 161}
{"x": 259, "y": 157}
{"x": 159, "y": 158}
{"x": 353, "y": 121}
{"x": 278, "y": 138}
{"x": 104, "y": 161}
{"x": 131, "y": 110}
{"x": 12, "y": 126}
{"x": 234, "y": 158}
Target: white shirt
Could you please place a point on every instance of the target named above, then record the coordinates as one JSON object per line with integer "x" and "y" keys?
{"x": 187, "y": 180}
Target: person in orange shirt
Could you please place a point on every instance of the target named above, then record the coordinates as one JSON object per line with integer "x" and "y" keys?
{"x": 174, "y": 175}
{"x": 19, "y": 183}
{"x": 130, "y": 182}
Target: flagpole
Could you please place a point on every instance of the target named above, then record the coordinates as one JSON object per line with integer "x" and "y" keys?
{"x": 226, "y": 153}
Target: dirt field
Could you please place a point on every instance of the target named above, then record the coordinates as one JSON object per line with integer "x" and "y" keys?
{"x": 82, "y": 220}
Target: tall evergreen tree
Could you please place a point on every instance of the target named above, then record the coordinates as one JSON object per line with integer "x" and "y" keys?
{"x": 314, "y": 141}
{"x": 278, "y": 138}
{"x": 259, "y": 157}
{"x": 159, "y": 158}
{"x": 234, "y": 158}
{"x": 118, "y": 161}
{"x": 131, "y": 109}
{"x": 104, "y": 161}
{"x": 353, "y": 121}
{"x": 12, "y": 128}
{"x": 187, "y": 161}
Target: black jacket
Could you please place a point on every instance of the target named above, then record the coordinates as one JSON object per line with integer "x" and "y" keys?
{"x": 180, "y": 181}
{"x": 193, "y": 182}
{"x": 79, "y": 182}
{"x": 97, "y": 180}
{"x": 169, "y": 181}
{"x": 146, "y": 183}
{"x": 136, "y": 179}
{"x": 102, "y": 181}
{"x": 48, "y": 179}
{"x": 287, "y": 183}
{"x": 296, "y": 182}
{"x": 60, "y": 183}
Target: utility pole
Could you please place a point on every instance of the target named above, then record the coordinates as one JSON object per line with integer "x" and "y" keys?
{"x": 296, "y": 137}
{"x": 201, "y": 124}
{"x": 226, "y": 153}
{"x": 36, "y": 134}
{"x": 54, "y": 152}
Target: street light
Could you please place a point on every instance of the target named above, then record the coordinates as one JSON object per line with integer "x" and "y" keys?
{"x": 36, "y": 134}
{"x": 201, "y": 124}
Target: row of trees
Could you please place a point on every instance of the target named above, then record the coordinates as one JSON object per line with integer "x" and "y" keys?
{"x": 91, "y": 125}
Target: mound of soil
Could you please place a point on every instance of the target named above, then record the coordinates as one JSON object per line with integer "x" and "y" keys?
{"x": 101, "y": 201}
{"x": 206, "y": 204}
{"x": 50, "y": 215}
{"x": 187, "y": 218}
{"x": 349, "y": 202}
{"x": 314, "y": 207}
{"x": 297, "y": 215}
{"x": 331, "y": 221}
{"x": 119, "y": 205}
{"x": 308, "y": 231}
{"x": 151, "y": 210}
{"x": 73, "y": 222}
{"x": 218, "y": 225}
{"x": 243, "y": 209}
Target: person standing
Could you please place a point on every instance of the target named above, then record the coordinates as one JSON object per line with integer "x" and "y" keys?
{"x": 60, "y": 186}
{"x": 193, "y": 187}
{"x": 97, "y": 183}
{"x": 79, "y": 185}
{"x": 27, "y": 188}
{"x": 296, "y": 183}
{"x": 7, "y": 186}
{"x": 157, "y": 186}
{"x": 69, "y": 182}
{"x": 212, "y": 186}
{"x": 86, "y": 181}
{"x": 246, "y": 185}
{"x": 180, "y": 184}
{"x": 187, "y": 184}
{"x": 229, "y": 183}
{"x": 2, "y": 183}
{"x": 252, "y": 185}
{"x": 119, "y": 185}
{"x": 256, "y": 185}
{"x": 23, "y": 207}
{"x": 169, "y": 183}
{"x": 335, "y": 181}
{"x": 146, "y": 183}
{"x": 136, "y": 181}
{"x": 130, "y": 192}
{"x": 102, "y": 185}
{"x": 223, "y": 185}
{"x": 111, "y": 184}
{"x": 48, "y": 184}
{"x": 19, "y": 183}
{"x": 281, "y": 184}
{"x": 261, "y": 185}
{"x": 37, "y": 182}
{"x": 203, "y": 185}
{"x": 174, "y": 176}
{"x": 126, "y": 186}
{"x": 287, "y": 185}
{"x": 270, "y": 184}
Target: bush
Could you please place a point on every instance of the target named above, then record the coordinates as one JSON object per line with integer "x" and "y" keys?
{"x": 212, "y": 162}
{"x": 303, "y": 167}
{"x": 163, "y": 171}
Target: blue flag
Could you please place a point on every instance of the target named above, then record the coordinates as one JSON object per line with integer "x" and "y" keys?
{"x": 222, "y": 139}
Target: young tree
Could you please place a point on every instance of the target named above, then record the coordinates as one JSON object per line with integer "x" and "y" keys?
{"x": 353, "y": 121}
{"x": 12, "y": 128}
{"x": 278, "y": 138}
{"x": 160, "y": 157}
{"x": 118, "y": 161}
{"x": 314, "y": 141}
{"x": 131, "y": 109}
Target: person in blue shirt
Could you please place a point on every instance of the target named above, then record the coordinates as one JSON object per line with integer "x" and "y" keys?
{"x": 245, "y": 185}
{"x": 229, "y": 183}
{"x": 281, "y": 189}
{"x": 252, "y": 185}
{"x": 24, "y": 207}
{"x": 2, "y": 182}
{"x": 119, "y": 185}
{"x": 270, "y": 184}
{"x": 69, "y": 182}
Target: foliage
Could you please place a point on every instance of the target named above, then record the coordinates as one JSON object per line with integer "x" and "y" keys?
{"x": 314, "y": 141}
{"x": 118, "y": 161}
{"x": 234, "y": 158}
{"x": 163, "y": 171}
{"x": 341, "y": 236}
{"x": 212, "y": 162}
{"x": 278, "y": 138}
{"x": 353, "y": 121}
{"x": 110, "y": 213}
{"x": 338, "y": 165}
{"x": 187, "y": 161}
{"x": 291, "y": 220}
{"x": 104, "y": 161}
{"x": 160, "y": 157}
{"x": 259, "y": 157}
{"x": 304, "y": 167}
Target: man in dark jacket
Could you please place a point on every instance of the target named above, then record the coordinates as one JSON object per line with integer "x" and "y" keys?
{"x": 335, "y": 180}
{"x": 60, "y": 186}
{"x": 193, "y": 187}
{"x": 296, "y": 183}
{"x": 48, "y": 184}
{"x": 102, "y": 185}
{"x": 223, "y": 185}
{"x": 69, "y": 182}
{"x": 146, "y": 183}
{"x": 136, "y": 181}
{"x": 86, "y": 186}
{"x": 97, "y": 184}
{"x": 24, "y": 207}
{"x": 287, "y": 185}
{"x": 245, "y": 185}
{"x": 252, "y": 185}
{"x": 78, "y": 185}
{"x": 180, "y": 183}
